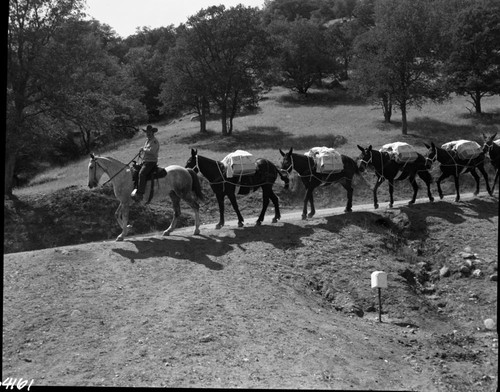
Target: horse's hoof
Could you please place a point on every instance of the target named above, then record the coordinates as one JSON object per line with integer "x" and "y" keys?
{"x": 218, "y": 226}
{"x": 240, "y": 224}
{"x": 310, "y": 215}
{"x": 431, "y": 199}
{"x": 348, "y": 210}
{"x": 258, "y": 223}
{"x": 411, "y": 202}
{"x": 375, "y": 206}
{"x": 390, "y": 205}
{"x": 196, "y": 232}
{"x": 476, "y": 193}
{"x": 441, "y": 196}
{"x": 304, "y": 217}
{"x": 275, "y": 220}
{"x": 457, "y": 199}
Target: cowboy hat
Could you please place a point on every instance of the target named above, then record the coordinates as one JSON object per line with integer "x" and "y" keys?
{"x": 150, "y": 128}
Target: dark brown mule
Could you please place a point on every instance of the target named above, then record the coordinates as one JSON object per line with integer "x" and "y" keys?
{"x": 451, "y": 165}
{"x": 388, "y": 169}
{"x": 305, "y": 167}
{"x": 264, "y": 177}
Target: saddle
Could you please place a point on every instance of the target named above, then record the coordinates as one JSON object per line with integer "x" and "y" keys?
{"x": 155, "y": 174}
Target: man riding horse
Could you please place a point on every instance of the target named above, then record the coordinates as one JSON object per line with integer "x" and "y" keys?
{"x": 150, "y": 161}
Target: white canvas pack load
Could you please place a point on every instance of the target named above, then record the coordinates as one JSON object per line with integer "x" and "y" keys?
{"x": 465, "y": 149}
{"x": 239, "y": 163}
{"x": 327, "y": 160}
{"x": 401, "y": 152}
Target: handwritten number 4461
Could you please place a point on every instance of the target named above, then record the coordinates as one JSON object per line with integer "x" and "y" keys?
{"x": 10, "y": 382}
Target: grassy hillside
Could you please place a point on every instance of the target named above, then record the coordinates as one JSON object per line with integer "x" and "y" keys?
{"x": 285, "y": 120}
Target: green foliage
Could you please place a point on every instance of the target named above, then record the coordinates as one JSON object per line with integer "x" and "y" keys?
{"x": 217, "y": 61}
{"x": 473, "y": 66}
{"x": 395, "y": 60}
{"x": 302, "y": 55}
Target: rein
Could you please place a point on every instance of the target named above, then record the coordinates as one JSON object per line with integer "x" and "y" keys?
{"x": 118, "y": 172}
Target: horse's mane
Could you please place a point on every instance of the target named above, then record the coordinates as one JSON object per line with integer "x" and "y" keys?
{"x": 111, "y": 159}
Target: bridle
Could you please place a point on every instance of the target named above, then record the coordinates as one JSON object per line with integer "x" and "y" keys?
{"x": 367, "y": 162}
{"x": 290, "y": 167}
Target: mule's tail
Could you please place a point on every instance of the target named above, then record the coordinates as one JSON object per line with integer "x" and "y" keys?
{"x": 196, "y": 187}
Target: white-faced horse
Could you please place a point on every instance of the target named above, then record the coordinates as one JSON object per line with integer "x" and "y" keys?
{"x": 179, "y": 183}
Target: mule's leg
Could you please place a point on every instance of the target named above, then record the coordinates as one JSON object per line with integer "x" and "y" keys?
{"x": 234, "y": 203}
{"x": 438, "y": 183}
{"x": 310, "y": 197}
{"x": 486, "y": 179}
{"x": 391, "y": 193}
{"x": 380, "y": 180}
{"x": 347, "y": 184}
{"x": 276, "y": 202}
{"x": 426, "y": 176}
{"x": 176, "y": 201}
{"x": 473, "y": 173}
{"x": 220, "y": 201}
{"x": 265, "y": 204}
{"x": 414, "y": 185}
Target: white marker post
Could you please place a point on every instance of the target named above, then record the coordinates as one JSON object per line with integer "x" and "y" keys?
{"x": 379, "y": 281}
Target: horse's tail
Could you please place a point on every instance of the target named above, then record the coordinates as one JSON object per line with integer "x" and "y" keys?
{"x": 196, "y": 186}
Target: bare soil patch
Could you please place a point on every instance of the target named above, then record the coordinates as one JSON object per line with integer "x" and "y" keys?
{"x": 287, "y": 305}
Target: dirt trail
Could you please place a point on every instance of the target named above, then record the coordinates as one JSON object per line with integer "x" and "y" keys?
{"x": 224, "y": 309}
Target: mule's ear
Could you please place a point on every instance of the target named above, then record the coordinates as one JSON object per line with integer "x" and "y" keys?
{"x": 282, "y": 153}
{"x": 484, "y": 136}
{"x": 193, "y": 152}
{"x": 370, "y": 147}
{"x": 494, "y": 136}
{"x": 427, "y": 146}
{"x": 92, "y": 156}
{"x": 361, "y": 148}
{"x": 291, "y": 151}
{"x": 433, "y": 145}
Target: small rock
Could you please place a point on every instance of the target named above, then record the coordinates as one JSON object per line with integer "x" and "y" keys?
{"x": 477, "y": 273}
{"x": 494, "y": 277}
{"x": 468, "y": 249}
{"x": 489, "y": 324}
{"x": 464, "y": 270}
{"x": 444, "y": 272}
{"x": 469, "y": 263}
{"x": 466, "y": 255}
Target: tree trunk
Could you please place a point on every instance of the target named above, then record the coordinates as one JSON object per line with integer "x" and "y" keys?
{"x": 476, "y": 98}
{"x": 403, "y": 118}
{"x": 387, "y": 107}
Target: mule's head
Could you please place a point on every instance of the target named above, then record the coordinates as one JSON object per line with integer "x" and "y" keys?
{"x": 431, "y": 155}
{"x": 95, "y": 172}
{"x": 488, "y": 142}
{"x": 364, "y": 158}
{"x": 287, "y": 161}
{"x": 192, "y": 162}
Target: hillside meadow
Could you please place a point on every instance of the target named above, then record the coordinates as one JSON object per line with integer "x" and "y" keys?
{"x": 284, "y": 120}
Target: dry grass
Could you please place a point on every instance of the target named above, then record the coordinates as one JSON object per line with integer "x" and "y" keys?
{"x": 284, "y": 120}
